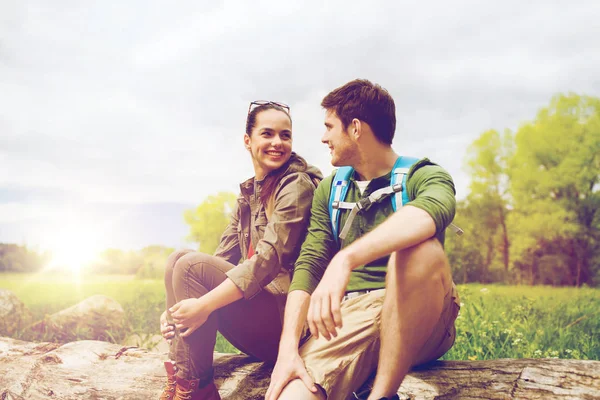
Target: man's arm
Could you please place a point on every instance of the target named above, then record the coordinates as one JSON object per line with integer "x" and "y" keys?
{"x": 293, "y": 321}
{"x": 428, "y": 214}
{"x": 289, "y": 364}
{"x": 387, "y": 238}
{"x": 319, "y": 245}
{"x": 314, "y": 256}
{"x": 324, "y": 313}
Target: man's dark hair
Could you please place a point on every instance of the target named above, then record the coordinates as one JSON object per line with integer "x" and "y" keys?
{"x": 367, "y": 102}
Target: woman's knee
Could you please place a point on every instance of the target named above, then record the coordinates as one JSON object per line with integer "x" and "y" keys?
{"x": 171, "y": 261}
{"x": 199, "y": 267}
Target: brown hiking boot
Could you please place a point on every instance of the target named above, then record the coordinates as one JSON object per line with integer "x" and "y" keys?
{"x": 189, "y": 390}
{"x": 170, "y": 387}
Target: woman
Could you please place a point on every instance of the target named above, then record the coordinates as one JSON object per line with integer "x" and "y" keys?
{"x": 252, "y": 263}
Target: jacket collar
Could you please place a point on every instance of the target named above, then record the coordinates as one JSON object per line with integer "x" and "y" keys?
{"x": 247, "y": 188}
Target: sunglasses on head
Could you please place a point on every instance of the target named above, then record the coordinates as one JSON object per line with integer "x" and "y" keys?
{"x": 258, "y": 103}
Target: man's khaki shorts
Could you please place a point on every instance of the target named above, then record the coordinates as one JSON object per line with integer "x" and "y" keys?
{"x": 341, "y": 365}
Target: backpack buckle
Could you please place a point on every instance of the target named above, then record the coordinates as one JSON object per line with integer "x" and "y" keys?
{"x": 397, "y": 187}
{"x": 335, "y": 204}
{"x": 363, "y": 203}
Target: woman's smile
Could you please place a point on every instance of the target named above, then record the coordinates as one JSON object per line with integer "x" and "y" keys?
{"x": 275, "y": 153}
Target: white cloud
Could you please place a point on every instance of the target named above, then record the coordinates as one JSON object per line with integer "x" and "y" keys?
{"x": 145, "y": 102}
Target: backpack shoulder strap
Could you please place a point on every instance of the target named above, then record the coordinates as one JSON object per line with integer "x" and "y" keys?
{"x": 339, "y": 189}
{"x": 399, "y": 176}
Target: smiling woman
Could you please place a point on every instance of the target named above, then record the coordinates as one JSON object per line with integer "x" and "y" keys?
{"x": 240, "y": 291}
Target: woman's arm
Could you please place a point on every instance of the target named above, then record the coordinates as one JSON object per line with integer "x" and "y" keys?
{"x": 190, "y": 314}
{"x": 229, "y": 246}
{"x": 282, "y": 238}
{"x": 281, "y": 241}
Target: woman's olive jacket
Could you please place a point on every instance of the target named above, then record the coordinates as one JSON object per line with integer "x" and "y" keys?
{"x": 276, "y": 239}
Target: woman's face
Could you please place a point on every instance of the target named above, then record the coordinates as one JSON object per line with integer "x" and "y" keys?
{"x": 270, "y": 142}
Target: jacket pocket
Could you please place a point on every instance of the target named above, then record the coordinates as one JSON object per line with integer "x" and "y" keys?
{"x": 260, "y": 224}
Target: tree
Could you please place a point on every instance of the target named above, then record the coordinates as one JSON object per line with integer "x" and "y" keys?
{"x": 209, "y": 220}
{"x": 117, "y": 261}
{"x": 464, "y": 252}
{"x": 555, "y": 184}
{"x": 487, "y": 161}
{"x": 154, "y": 260}
{"x": 147, "y": 263}
{"x": 15, "y": 258}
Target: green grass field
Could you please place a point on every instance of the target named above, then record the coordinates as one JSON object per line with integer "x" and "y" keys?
{"x": 495, "y": 321}
{"x": 527, "y": 322}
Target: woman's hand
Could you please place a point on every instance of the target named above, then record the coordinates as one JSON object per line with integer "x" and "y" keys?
{"x": 166, "y": 330}
{"x": 189, "y": 315}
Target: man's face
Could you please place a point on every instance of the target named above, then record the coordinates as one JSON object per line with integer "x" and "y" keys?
{"x": 342, "y": 147}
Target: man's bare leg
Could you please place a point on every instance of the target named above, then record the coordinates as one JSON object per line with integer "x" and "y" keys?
{"x": 417, "y": 280}
{"x": 296, "y": 390}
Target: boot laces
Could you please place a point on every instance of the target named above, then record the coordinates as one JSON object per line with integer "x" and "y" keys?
{"x": 184, "y": 394}
{"x": 169, "y": 390}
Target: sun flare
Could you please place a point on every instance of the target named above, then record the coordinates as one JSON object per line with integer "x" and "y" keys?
{"x": 73, "y": 250}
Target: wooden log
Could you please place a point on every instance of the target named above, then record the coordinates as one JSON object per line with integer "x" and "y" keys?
{"x": 99, "y": 370}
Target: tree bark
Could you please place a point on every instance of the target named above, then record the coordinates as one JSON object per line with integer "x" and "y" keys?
{"x": 488, "y": 258}
{"x": 532, "y": 266}
{"x": 506, "y": 243}
{"x": 87, "y": 370}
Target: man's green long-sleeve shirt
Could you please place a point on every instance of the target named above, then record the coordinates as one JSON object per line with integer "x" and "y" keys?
{"x": 429, "y": 188}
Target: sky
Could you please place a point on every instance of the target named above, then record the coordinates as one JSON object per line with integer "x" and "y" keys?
{"x": 115, "y": 117}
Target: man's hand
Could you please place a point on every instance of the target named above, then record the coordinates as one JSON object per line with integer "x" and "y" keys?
{"x": 288, "y": 368}
{"x": 189, "y": 315}
{"x": 324, "y": 315}
{"x": 166, "y": 330}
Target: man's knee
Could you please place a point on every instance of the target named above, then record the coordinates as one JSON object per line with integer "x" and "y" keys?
{"x": 297, "y": 390}
{"x": 421, "y": 264}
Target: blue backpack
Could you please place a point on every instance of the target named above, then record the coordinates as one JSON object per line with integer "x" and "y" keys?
{"x": 397, "y": 188}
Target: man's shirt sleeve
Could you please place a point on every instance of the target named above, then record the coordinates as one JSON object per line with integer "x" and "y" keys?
{"x": 432, "y": 189}
{"x": 319, "y": 246}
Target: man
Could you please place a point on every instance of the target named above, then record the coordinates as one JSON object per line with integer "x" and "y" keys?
{"x": 383, "y": 297}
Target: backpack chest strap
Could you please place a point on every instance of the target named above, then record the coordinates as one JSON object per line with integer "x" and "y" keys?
{"x": 342, "y": 205}
{"x": 365, "y": 203}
